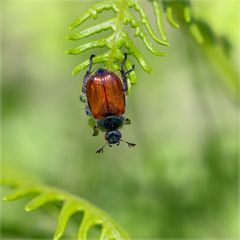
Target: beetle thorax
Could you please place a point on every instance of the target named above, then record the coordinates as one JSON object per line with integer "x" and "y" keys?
{"x": 110, "y": 123}
{"x": 101, "y": 71}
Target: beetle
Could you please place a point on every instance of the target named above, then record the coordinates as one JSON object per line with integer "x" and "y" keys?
{"x": 104, "y": 94}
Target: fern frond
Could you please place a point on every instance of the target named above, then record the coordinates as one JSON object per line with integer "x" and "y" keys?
{"x": 216, "y": 47}
{"x": 92, "y": 216}
{"x": 179, "y": 14}
{"x": 172, "y": 7}
{"x": 119, "y": 38}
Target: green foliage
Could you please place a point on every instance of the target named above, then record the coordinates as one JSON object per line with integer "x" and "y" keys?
{"x": 217, "y": 48}
{"x": 42, "y": 195}
{"x": 119, "y": 38}
{"x": 179, "y": 15}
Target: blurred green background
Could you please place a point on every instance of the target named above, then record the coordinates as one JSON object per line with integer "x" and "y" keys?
{"x": 180, "y": 181}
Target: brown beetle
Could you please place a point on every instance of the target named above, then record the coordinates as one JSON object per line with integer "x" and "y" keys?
{"x": 105, "y": 92}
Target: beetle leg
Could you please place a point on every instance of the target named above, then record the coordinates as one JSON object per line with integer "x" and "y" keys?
{"x": 130, "y": 70}
{"x": 95, "y": 131}
{"x": 127, "y": 121}
{"x": 83, "y": 99}
{"x": 87, "y": 111}
{"x": 92, "y": 122}
{"x": 101, "y": 149}
{"x": 87, "y": 74}
{"x": 123, "y": 74}
{"x": 128, "y": 143}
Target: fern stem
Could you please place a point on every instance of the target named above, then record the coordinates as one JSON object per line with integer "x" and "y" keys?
{"x": 119, "y": 39}
{"x": 117, "y": 35}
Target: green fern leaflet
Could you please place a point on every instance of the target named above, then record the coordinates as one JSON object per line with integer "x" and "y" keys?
{"x": 93, "y": 216}
{"x": 119, "y": 38}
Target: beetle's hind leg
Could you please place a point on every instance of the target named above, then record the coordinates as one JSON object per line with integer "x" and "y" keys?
{"x": 124, "y": 74}
{"x": 95, "y": 130}
{"x": 93, "y": 124}
{"x": 88, "y": 72}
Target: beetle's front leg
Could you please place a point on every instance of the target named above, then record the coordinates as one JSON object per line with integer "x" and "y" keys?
{"x": 88, "y": 72}
{"x": 130, "y": 70}
{"x": 124, "y": 74}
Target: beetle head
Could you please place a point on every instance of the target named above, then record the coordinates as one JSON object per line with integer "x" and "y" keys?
{"x": 113, "y": 137}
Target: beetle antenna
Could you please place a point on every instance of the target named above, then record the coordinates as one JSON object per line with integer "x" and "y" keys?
{"x": 100, "y": 150}
{"x": 128, "y": 143}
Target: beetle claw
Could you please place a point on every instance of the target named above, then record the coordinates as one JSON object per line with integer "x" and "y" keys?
{"x": 131, "y": 144}
{"x": 92, "y": 56}
{"x": 100, "y": 150}
{"x": 130, "y": 70}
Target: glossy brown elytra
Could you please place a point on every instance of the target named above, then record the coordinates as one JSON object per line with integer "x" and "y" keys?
{"x": 105, "y": 94}
{"x": 105, "y": 98}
